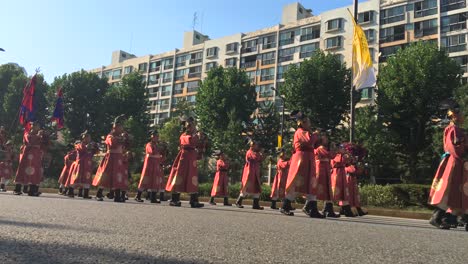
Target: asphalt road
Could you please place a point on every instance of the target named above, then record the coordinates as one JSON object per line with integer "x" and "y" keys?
{"x": 56, "y": 229}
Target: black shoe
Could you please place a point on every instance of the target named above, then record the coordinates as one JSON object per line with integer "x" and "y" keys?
{"x": 86, "y": 194}
{"x": 273, "y": 205}
{"x": 147, "y": 196}
{"x": 123, "y": 197}
{"x": 306, "y": 208}
{"x": 346, "y": 211}
{"x": 65, "y": 191}
{"x": 314, "y": 212}
{"x": 361, "y": 212}
{"x": 26, "y": 189}
{"x": 138, "y": 197}
{"x": 17, "y": 190}
{"x": 99, "y": 196}
{"x": 239, "y": 202}
{"x": 286, "y": 208}
{"x": 2, "y": 188}
{"x": 226, "y": 202}
{"x": 194, "y": 203}
{"x": 256, "y": 204}
{"x": 33, "y": 190}
{"x": 110, "y": 195}
{"x": 80, "y": 192}
{"x": 117, "y": 198}
{"x": 212, "y": 202}
{"x": 175, "y": 200}
{"x": 60, "y": 190}
{"x": 162, "y": 197}
{"x": 329, "y": 212}
{"x": 29, "y": 190}
{"x": 70, "y": 193}
{"x": 436, "y": 218}
{"x": 153, "y": 198}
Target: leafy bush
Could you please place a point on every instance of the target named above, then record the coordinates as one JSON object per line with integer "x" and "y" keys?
{"x": 394, "y": 196}
{"x": 204, "y": 190}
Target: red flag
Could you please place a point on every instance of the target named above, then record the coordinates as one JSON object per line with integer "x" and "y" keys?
{"x": 27, "y": 105}
{"x": 57, "y": 116}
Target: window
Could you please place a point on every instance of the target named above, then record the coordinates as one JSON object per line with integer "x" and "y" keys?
{"x": 192, "y": 86}
{"x": 153, "y": 79}
{"x": 249, "y": 46}
{"x": 231, "y": 62}
{"x": 196, "y": 57}
{"x": 453, "y": 23}
{"x": 195, "y": 72}
{"x": 392, "y": 15}
{"x": 163, "y": 116}
{"x": 180, "y": 61}
{"x": 176, "y": 100}
{"x": 286, "y": 54}
{"x": 168, "y": 63}
{"x": 164, "y": 104}
{"x": 462, "y": 61}
{"x": 166, "y": 90}
{"x": 425, "y": 28}
{"x": 210, "y": 66}
{"x": 387, "y": 52}
{"x": 449, "y": 5}
{"x": 455, "y": 43}
{"x": 268, "y": 58}
{"x": 282, "y": 70}
{"x": 267, "y": 74}
{"x": 116, "y": 74}
{"x": 128, "y": 69}
{"x": 309, "y": 49}
{"x": 252, "y": 76}
{"x": 179, "y": 74}
{"x": 366, "y": 93}
{"x": 249, "y": 62}
{"x": 191, "y": 99}
{"x": 392, "y": 34}
{"x": 232, "y": 47}
{"x": 310, "y": 33}
{"x": 153, "y": 92}
{"x": 425, "y": 8}
{"x": 264, "y": 91}
{"x": 287, "y": 38}
{"x": 335, "y": 24}
{"x": 366, "y": 17}
{"x": 167, "y": 77}
{"x": 155, "y": 66}
{"x": 178, "y": 88}
{"x": 269, "y": 42}
{"x": 142, "y": 67}
{"x": 333, "y": 43}
{"x": 212, "y": 52}
{"x": 370, "y": 35}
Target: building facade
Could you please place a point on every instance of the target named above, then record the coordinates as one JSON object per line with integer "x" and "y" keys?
{"x": 267, "y": 53}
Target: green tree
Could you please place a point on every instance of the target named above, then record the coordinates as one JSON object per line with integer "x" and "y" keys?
{"x": 266, "y": 127}
{"x": 319, "y": 86}
{"x": 461, "y": 96}
{"x": 412, "y": 86}
{"x": 170, "y": 134}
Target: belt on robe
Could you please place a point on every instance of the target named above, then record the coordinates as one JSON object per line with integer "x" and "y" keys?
{"x": 223, "y": 170}
{"x": 153, "y": 156}
{"x": 115, "y": 151}
{"x": 188, "y": 148}
{"x": 324, "y": 160}
{"x": 306, "y": 149}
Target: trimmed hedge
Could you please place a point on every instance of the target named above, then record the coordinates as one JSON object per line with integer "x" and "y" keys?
{"x": 204, "y": 189}
{"x": 395, "y": 195}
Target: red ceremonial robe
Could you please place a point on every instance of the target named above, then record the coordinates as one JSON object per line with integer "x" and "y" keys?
{"x": 340, "y": 191}
{"x": 301, "y": 176}
{"x": 323, "y": 171}
{"x": 152, "y": 173}
{"x": 6, "y": 165}
{"x": 112, "y": 172}
{"x": 351, "y": 186}
{"x": 220, "y": 183}
{"x": 82, "y": 169}
{"x": 251, "y": 176}
{"x": 184, "y": 172}
{"x": 279, "y": 183}
{"x": 68, "y": 162}
{"x": 30, "y": 163}
{"x": 449, "y": 189}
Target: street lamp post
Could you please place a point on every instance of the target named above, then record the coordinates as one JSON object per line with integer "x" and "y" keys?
{"x": 283, "y": 100}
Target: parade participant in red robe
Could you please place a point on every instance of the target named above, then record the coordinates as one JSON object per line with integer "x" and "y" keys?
{"x": 184, "y": 172}
{"x": 449, "y": 191}
{"x": 6, "y": 165}
{"x": 67, "y": 161}
{"x": 341, "y": 166}
{"x": 356, "y": 168}
{"x": 30, "y": 165}
{"x": 301, "y": 175}
{"x": 279, "y": 182}
{"x": 112, "y": 172}
{"x": 81, "y": 170}
{"x": 220, "y": 183}
{"x": 251, "y": 176}
{"x": 323, "y": 172}
{"x": 152, "y": 174}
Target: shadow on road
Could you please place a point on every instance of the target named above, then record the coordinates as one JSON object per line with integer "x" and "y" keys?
{"x": 48, "y": 226}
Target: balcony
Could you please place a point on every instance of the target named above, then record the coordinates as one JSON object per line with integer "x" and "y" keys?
{"x": 286, "y": 41}
{"x": 180, "y": 64}
{"x": 309, "y": 37}
{"x": 267, "y": 78}
{"x": 454, "y": 27}
{"x": 116, "y": 77}
{"x": 286, "y": 58}
{"x": 306, "y": 54}
{"x": 231, "y": 51}
{"x": 269, "y": 46}
{"x": 268, "y": 62}
{"x": 178, "y": 91}
{"x": 192, "y": 89}
{"x": 153, "y": 82}
{"x": 425, "y": 12}
{"x": 249, "y": 49}
{"x": 156, "y": 69}
{"x": 164, "y": 107}
{"x": 167, "y": 80}
{"x": 392, "y": 38}
{"x": 168, "y": 67}
{"x": 194, "y": 75}
{"x": 165, "y": 93}
{"x": 456, "y": 48}
{"x": 425, "y": 32}
{"x": 194, "y": 61}
{"x": 453, "y": 5}
{"x": 249, "y": 64}
{"x": 179, "y": 78}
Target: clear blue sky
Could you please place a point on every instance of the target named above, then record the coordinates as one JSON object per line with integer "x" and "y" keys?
{"x": 62, "y": 36}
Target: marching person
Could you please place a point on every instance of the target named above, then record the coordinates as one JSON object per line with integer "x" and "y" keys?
{"x": 220, "y": 183}
{"x": 184, "y": 172}
{"x": 301, "y": 175}
{"x": 323, "y": 173}
{"x": 68, "y": 161}
{"x": 30, "y": 164}
{"x": 82, "y": 168}
{"x": 357, "y": 155}
{"x": 6, "y": 165}
{"x": 251, "y": 176}
{"x": 279, "y": 182}
{"x": 448, "y": 191}
{"x": 112, "y": 173}
{"x": 341, "y": 166}
{"x": 152, "y": 173}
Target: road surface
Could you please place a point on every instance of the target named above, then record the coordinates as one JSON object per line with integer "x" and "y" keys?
{"x": 57, "y": 229}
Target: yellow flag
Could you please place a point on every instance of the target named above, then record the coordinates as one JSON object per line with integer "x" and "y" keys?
{"x": 280, "y": 141}
{"x": 363, "y": 69}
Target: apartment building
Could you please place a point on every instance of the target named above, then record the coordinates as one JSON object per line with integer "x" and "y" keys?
{"x": 267, "y": 53}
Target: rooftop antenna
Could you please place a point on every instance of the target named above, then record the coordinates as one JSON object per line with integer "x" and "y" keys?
{"x": 194, "y": 22}
{"x": 201, "y": 23}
